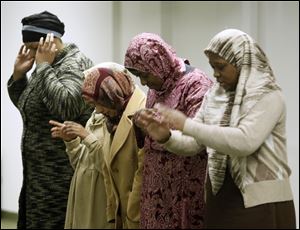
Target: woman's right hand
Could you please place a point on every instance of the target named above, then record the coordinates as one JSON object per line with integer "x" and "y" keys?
{"x": 23, "y": 63}
{"x": 58, "y": 132}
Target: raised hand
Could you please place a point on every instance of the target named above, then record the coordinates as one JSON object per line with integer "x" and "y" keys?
{"x": 57, "y": 131}
{"x": 46, "y": 51}
{"x": 23, "y": 63}
{"x": 174, "y": 118}
{"x": 149, "y": 120}
{"x": 74, "y": 129}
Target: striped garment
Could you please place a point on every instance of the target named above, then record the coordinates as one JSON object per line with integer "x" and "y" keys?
{"x": 53, "y": 92}
{"x": 253, "y": 146}
{"x": 256, "y": 80}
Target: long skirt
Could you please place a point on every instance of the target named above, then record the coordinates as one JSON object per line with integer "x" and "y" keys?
{"x": 226, "y": 210}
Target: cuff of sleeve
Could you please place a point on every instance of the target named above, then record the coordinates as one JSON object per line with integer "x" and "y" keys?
{"x": 188, "y": 126}
{"x": 73, "y": 143}
{"x": 11, "y": 81}
{"x": 172, "y": 140}
{"x": 91, "y": 138}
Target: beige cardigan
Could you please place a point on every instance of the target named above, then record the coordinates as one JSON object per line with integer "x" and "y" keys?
{"x": 123, "y": 168}
{"x": 258, "y": 143}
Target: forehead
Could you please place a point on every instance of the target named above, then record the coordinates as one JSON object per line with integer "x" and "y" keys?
{"x": 32, "y": 45}
{"x": 216, "y": 59}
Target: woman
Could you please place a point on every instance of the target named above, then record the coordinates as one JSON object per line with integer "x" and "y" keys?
{"x": 52, "y": 92}
{"x": 248, "y": 178}
{"x": 104, "y": 155}
{"x": 172, "y": 190}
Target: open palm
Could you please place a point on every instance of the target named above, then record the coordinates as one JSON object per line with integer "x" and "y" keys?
{"x": 23, "y": 63}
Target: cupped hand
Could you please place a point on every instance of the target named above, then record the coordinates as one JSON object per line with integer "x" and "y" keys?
{"x": 46, "y": 51}
{"x": 174, "y": 118}
{"x": 23, "y": 63}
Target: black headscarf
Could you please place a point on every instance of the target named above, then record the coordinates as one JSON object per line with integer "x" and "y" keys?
{"x": 38, "y": 25}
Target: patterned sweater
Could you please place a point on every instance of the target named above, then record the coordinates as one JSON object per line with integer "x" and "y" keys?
{"x": 52, "y": 92}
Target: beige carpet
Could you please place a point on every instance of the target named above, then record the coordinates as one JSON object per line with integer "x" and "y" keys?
{"x": 8, "y": 220}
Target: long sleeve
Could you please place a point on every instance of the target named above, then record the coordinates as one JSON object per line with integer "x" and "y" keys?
{"x": 133, "y": 207}
{"x": 111, "y": 200}
{"x": 185, "y": 145}
{"x": 15, "y": 88}
{"x": 74, "y": 150}
{"x": 61, "y": 90}
{"x": 94, "y": 146}
{"x": 251, "y": 132}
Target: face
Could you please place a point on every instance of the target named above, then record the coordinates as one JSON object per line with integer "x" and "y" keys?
{"x": 109, "y": 112}
{"x": 224, "y": 72}
{"x": 32, "y": 46}
{"x": 148, "y": 79}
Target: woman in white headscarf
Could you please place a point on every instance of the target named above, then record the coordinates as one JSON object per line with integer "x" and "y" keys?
{"x": 241, "y": 123}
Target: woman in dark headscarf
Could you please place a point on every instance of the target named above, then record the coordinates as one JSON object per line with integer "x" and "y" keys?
{"x": 173, "y": 186}
{"x": 105, "y": 155}
{"x": 248, "y": 174}
{"x": 52, "y": 92}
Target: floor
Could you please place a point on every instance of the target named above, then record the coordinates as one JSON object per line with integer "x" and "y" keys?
{"x": 8, "y": 220}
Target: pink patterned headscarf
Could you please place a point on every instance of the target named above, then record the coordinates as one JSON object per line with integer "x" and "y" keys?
{"x": 109, "y": 84}
{"x": 147, "y": 52}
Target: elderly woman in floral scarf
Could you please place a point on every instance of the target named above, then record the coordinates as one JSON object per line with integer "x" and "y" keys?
{"x": 241, "y": 123}
{"x": 105, "y": 187}
{"x": 173, "y": 186}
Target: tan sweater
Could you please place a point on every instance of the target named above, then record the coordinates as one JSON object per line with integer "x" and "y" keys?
{"x": 258, "y": 143}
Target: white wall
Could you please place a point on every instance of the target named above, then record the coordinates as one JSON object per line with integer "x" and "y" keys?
{"x": 87, "y": 24}
{"x": 103, "y": 30}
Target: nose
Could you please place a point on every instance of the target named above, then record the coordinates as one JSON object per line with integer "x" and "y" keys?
{"x": 143, "y": 82}
{"x": 102, "y": 110}
{"x": 216, "y": 74}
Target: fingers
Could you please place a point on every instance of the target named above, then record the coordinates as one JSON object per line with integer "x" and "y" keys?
{"x": 56, "y": 123}
{"x": 25, "y": 51}
{"x": 56, "y": 132}
{"x": 21, "y": 49}
{"x": 146, "y": 117}
{"x": 48, "y": 43}
{"x": 70, "y": 127}
{"x": 41, "y": 42}
{"x": 53, "y": 48}
{"x": 161, "y": 108}
{"x": 70, "y": 123}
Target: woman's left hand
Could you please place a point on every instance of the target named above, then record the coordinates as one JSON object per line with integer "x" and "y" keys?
{"x": 46, "y": 51}
{"x": 174, "y": 118}
{"x": 148, "y": 119}
{"x": 73, "y": 128}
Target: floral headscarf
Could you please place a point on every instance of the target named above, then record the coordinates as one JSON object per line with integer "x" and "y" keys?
{"x": 108, "y": 83}
{"x": 147, "y": 52}
{"x": 111, "y": 85}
